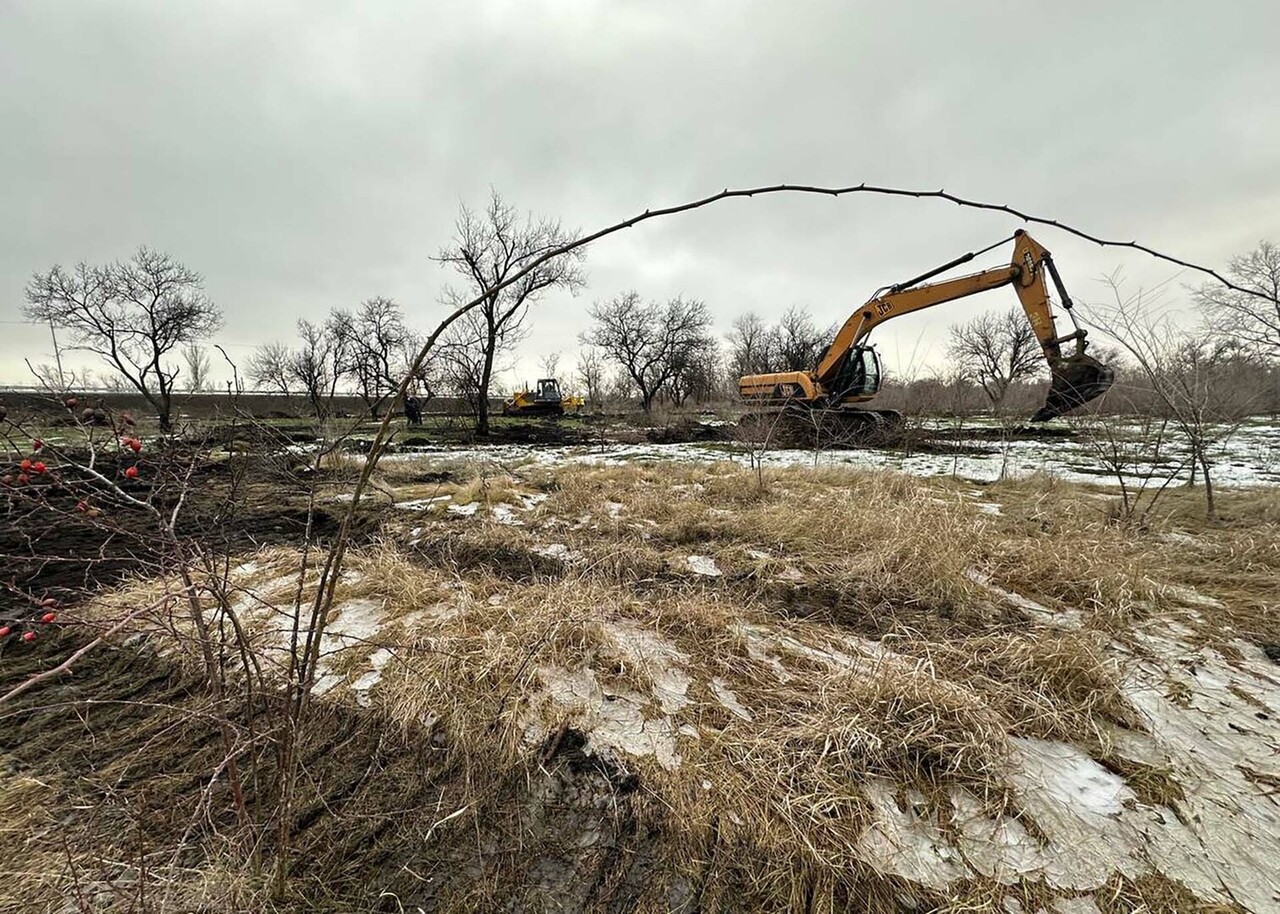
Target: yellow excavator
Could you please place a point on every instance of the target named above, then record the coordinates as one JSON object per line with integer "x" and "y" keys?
{"x": 849, "y": 372}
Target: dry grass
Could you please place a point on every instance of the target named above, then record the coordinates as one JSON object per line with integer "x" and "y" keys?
{"x": 1153, "y": 786}
{"x": 1154, "y": 894}
{"x": 847, "y": 630}
{"x": 1047, "y": 684}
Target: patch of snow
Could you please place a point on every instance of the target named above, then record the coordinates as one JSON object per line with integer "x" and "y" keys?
{"x": 988, "y": 507}
{"x": 759, "y": 641}
{"x": 351, "y": 624}
{"x": 831, "y": 657}
{"x": 758, "y": 554}
{"x": 725, "y": 695}
{"x": 466, "y": 510}
{"x": 367, "y": 680}
{"x": 423, "y": 504}
{"x": 907, "y": 843}
{"x": 612, "y": 721}
{"x": 245, "y": 569}
{"x": 1222, "y": 843}
{"x": 529, "y": 502}
{"x": 504, "y": 515}
{"x": 557, "y": 551}
{"x": 1248, "y": 458}
{"x": 703, "y": 565}
{"x": 658, "y": 657}
{"x": 613, "y": 508}
{"x": 671, "y": 688}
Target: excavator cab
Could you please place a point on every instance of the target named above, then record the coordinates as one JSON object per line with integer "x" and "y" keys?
{"x": 859, "y": 375}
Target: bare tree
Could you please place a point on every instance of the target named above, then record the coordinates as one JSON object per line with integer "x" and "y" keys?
{"x": 549, "y": 364}
{"x": 269, "y": 368}
{"x": 1253, "y": 319}
{"x": 995, "y": 350}
{"x": 749, "y": 343}
{"x": 462, "y": 360}
{"x": 487, "y": 249}
{"x": 316, "y": 366}
{"x": 796, "y": 344}
{"x": 695, "y": 373}
{"x": 198, "y": 365}
{"x": 378, "y": 348}
{"x": 591, "y": 375}
{"x": 649, "y": 341}
{"x": 1193, "y": 380}
{"x": 132, "y": 314}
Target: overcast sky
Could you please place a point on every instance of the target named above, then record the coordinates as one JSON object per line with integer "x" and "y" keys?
{"x": 308, "y": 155}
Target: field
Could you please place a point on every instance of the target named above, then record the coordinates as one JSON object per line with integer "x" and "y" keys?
{"x": 578, "y": 672}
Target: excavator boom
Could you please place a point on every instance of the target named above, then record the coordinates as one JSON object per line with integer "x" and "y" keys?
{"x": 840, "y": 377}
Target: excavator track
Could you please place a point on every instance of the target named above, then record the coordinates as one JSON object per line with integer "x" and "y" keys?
{"x": 799, "y": 426}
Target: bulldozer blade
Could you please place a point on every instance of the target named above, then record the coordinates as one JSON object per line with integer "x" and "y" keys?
{"x": 1076, "y": 380}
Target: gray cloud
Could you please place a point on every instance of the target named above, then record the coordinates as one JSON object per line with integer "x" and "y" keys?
{"x": 307, "y": 155}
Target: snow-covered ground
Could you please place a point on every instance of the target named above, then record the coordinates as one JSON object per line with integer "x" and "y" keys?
{"x": 1251, "y": 456}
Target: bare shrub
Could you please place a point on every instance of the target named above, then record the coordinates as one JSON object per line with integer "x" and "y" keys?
{"x": 1191, "y": 378}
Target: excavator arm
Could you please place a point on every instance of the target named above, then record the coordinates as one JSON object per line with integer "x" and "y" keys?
{"x": 1076, "y": 379}
{"x": 1024, "y": 273}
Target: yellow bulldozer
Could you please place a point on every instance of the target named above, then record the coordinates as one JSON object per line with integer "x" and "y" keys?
{"x": 545, "y": 399}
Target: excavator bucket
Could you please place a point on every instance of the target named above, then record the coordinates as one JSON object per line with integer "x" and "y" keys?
{"x": 1076, "y": 380}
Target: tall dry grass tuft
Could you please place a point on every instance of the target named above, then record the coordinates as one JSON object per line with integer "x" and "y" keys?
{"x": 1049, "y": 684}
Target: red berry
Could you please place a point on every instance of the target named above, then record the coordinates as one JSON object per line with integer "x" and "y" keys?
{"x": 37, "y": 444}
{"x": 48, "y": 617}
{"x": 28, "y": 637}
{"x": 4, "y": 631}
{"x": 23, "y": 479}
{"x": 82, "y": 506}
{"x": 72, "y": 402}
{"x": 132, "y": 472}
{"x": 38, "y": 466}
{"x": 25, "y": 465}
{"x": 135, "y": 445}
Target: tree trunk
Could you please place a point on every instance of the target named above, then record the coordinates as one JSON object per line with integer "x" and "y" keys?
{"x": 1210, "y": 511}
{"x": 164, "y": 413}
{"x": 482, "y": 401}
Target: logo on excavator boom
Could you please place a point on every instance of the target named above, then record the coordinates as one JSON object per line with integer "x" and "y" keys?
{"x": 1030, "y": 263}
